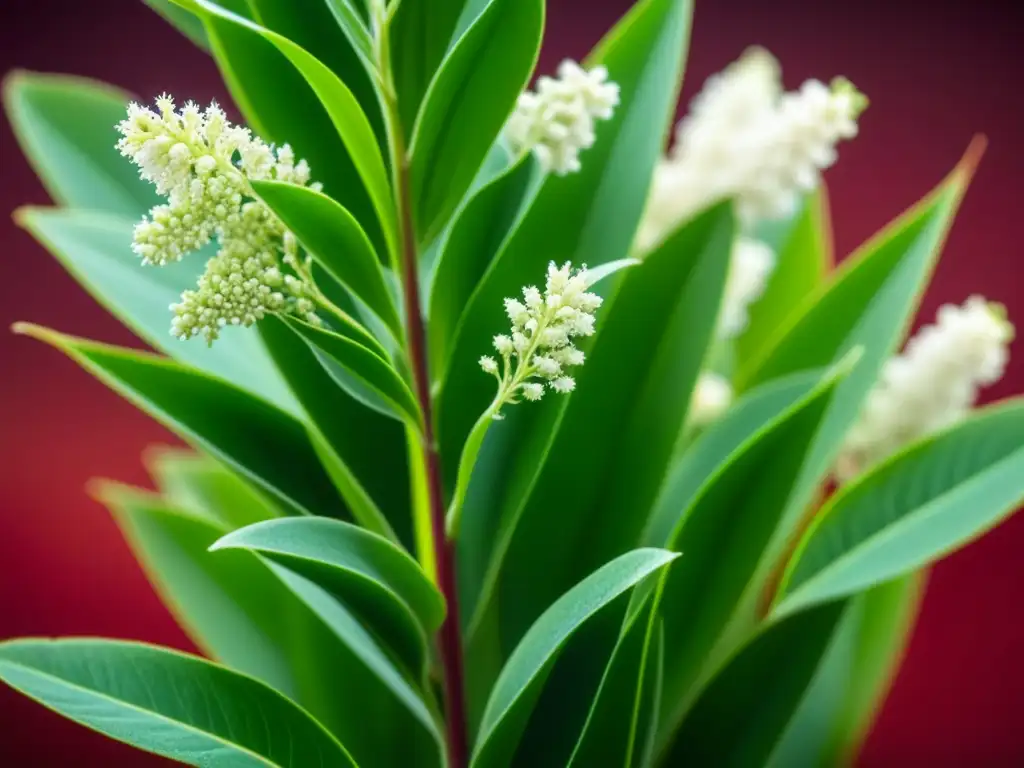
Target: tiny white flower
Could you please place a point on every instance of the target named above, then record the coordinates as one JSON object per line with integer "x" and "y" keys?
{"x": 564, "y": 384}
{"x": 489, "y": 364}
{"x": 533, "y": 391}
{"x": 503, "y": 344}
{"x": 751, "y": 264}
{"x": 712, "y": 397}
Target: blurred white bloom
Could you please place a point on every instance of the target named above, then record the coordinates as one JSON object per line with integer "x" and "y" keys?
{"x": 746, "y": 139}
{"x": 751, "y": 264}
{"x": 932, "y": 384}
{"x": 204, "y": 165}
{"x": 712, "y": 397}
{"x": 539, "y": 348}
{"x": 557, "y": 121}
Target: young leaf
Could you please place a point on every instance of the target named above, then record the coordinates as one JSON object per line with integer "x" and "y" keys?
{"x": 379, "y": 581}
{"x": 759, "y": 689}
{"x": 108, "y": 686}
{"x": 334, "y": 238}
{"x": 95, "y": 248}
{"x": 520, "y": 682}
{"x": 911, "y": 510}
{"x": 261, "y": 442}
{"x": 467, "y": 105}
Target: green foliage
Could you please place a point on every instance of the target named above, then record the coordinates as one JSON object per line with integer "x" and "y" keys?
{"x": 619, "y": 584}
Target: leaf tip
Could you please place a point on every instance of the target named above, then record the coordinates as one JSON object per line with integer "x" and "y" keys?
{"x": 968, "y": 165}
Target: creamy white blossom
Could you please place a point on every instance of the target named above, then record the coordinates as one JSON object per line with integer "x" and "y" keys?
{"x": 203, "y": 165}
{"x": 932, "y": 384}
{"x": 557, "y": 120}
{"x": 751, "y": 264}
{"x": 712, "y": 397}
{"x": 539, "y": 349}
{"x": 746, "y": 139}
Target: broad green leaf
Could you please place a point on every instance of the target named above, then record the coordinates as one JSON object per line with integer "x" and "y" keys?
{"x": 741, "y": 715}
{"x": 196, "y": 483}
{"x": 716, "y": 446}
{"x": 96, "y": 249}
{"x": 619, "y": 427}
{"x": 334, "y": 238}
{"x": 467, "y": 105}
{"x": 369, "y": 473}
{"x": 724, "y": 531}
{"x": 374, "y": 701}
{"x": 521, "y": 681}
{"x": 160, "y": 701}
{"x": 182, "y": 20}
{"x": 803, "y": 259}
{"x": 288, "y": 97}
{"x": 476, "y": 235}
{"x": 231, "y": 607}
{"x": 376, "y": 579}
{"x": 66, "y": 126}
{"x": 259, "y": 441}
{"x": 419, "y": 35}
{"x": 588, "y": 217}
{"x": 854, "y": 676}
{"x": 911, "y": 510}
{"x": 870, "y": 304}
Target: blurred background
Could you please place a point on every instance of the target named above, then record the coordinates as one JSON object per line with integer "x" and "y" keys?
{"x": 935, "y": 72}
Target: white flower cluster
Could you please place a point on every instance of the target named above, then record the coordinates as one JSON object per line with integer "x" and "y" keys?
{"x": 746, "y": 139}
{"x": 557, "y": 121}
{"x": 712, "y": 397}
{"x": 540, "y": 348}
{"x": 750, "y": 265}
{"x": 203, "y": 165}
{"x": 932, "y": 384}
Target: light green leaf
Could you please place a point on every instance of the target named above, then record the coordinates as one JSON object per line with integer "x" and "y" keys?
{"x": 521, "y": 681}
{"x": 376, "y": 579}
{"x": 96, "y": 249}
{"x": 259, "y": 441}
{"x": 911, "y": 510}
{"x": 182, "y": 20}
{"x": 110, "y": 686}
{"x": 66, "y": 126}
{"x": 467, "y": 105}
{"x": 334, "y": 238}
{"x": 741, "y": 715}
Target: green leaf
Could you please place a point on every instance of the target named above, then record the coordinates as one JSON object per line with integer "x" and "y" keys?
{"x": 96, "y": 249}
{"x": 160, "y": 701}
{"x": 588, "y": 217}
{"x": 519, "y": 686}
{"x": 66, "y": 126}
{"x": 376, "y": 579}
{"x": 334, "y": 238}
{"x": 476, "y": 235}
{"x": 911, "y": 510}
{"x": 350, "y": 17}
{"x": 231, "y": 607}
{"x": 870, "y": 304}
{"x": 370, "y": 474}
{"x": 649, "y": 348}
{"x": 419, "y": 35}
{"x": 741, "y": 715}
{"x": 259, "y": 441}
{"x": 724, "y": 532}
{"x": 467, "y": 105}
{"x": 198, "y": 484}
{"x": 803, "y": 258}
{"x": 182, "y": 20}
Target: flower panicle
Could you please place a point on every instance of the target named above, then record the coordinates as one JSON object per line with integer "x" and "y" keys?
{"x": 538, "y": 351}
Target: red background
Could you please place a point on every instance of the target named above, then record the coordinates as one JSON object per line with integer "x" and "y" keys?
{"x": 935, "y": 72}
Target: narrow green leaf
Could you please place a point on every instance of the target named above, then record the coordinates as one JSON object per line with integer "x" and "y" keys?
{"x": 741, "y": 715}
{"x": 259, "y": 441}
{"x": 519, "y": 686}
{"x": 95, "y": 248}
{"x": 467, "y": 105}
{"x": 334, "y": 238}
{"x": 940, "y": 494}
{"x": 420, "y": 34}
{"x": 376, "y": 579}
{"x": 66, "y": 126}
{"x": 110, "y": 686}
{"x": 351, "y": 18}
{"x": 182, "y": 20}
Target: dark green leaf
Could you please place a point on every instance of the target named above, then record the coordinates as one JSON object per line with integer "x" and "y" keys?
{"x": 169, "y": 703}
{"x": 467, "y": 105}
{"x": 351, "y": 18}
{"x": 911, "y": 510}
{"x": 262, "y": 443}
